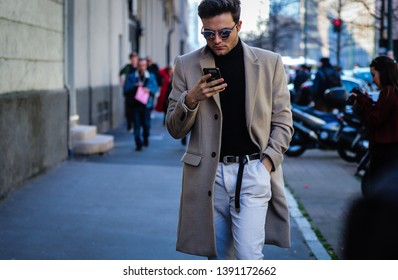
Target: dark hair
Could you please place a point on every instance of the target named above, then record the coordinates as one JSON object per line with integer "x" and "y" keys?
{"x": 387, "y": 69}
{"x": 325, "y": 62}
{"x": 132, "y": 54}
{"x": 142, "y": 59}
{"x": 212, "y": 8}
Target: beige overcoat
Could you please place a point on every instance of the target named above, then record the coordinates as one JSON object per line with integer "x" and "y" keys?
{"x": 269, "y": 122}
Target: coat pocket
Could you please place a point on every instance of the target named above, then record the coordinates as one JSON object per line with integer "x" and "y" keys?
{"x": 191, "y": 159}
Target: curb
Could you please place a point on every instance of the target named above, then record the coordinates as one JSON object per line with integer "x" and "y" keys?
{"x": 305, "y": 227}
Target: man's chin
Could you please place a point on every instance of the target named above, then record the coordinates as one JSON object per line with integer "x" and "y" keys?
{"x": 220, "y": 52}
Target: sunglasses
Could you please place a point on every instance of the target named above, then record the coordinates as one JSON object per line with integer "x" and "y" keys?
{"x": 223, "y": 33}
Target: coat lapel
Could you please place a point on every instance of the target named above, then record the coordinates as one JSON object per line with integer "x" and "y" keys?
{"x": 252, "y": 74}
{"x": 206, "y": 61}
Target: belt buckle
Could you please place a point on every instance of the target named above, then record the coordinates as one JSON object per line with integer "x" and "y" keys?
{"x": 225, "y": 159}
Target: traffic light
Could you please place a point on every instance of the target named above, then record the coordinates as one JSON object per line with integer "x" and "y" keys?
{"x": 337, "y": 23}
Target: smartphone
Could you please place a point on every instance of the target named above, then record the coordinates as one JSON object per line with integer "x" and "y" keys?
{"x": 215, "y": 73}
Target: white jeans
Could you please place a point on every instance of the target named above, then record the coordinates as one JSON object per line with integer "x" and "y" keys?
{"x": 241, "y": 235}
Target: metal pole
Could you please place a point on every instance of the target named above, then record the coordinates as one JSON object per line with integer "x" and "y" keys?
{"x": 338, "y": 47}
{"x": 339, "y": 34}
{"x": 168, "y": 45}
{"x": 389, "y": 32}
{"x": 305, "y": 31}
{"x": 182, "y": 27}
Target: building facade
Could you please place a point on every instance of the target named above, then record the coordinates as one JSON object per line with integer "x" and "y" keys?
{"x": 59, "y": 64}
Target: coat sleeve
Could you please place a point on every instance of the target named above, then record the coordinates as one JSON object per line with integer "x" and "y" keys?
{"x": 378, "y": 114}
{"x": 281, "y": 119}
{"x": 130, "y": 84}
{"x": 179, "y": 119}
{"x": 317, "y": 84}
{"x": 152, "y": 84}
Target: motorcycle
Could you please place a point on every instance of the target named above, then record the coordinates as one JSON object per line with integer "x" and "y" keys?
{"x": 315, "y": 129}
{"x": 352, "y": 138}
{"x": 363, "y": 164}
{"x": 353, "y": 135}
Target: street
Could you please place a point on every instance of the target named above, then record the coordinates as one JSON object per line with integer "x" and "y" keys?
{"x": 124, "y": 204}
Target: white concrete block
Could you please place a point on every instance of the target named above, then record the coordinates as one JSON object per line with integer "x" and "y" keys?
{"x": 96, "y": 145}
{"x": 82, "y": 132}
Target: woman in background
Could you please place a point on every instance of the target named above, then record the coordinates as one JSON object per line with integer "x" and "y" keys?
{"x": 381, "y": 119}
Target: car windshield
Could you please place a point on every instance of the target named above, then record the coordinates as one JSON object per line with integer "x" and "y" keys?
{"x": 366, "y": 76}
{"x": 349, "y": 85}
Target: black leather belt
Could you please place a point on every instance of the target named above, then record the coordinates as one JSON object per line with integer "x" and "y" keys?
{"x": 235, "y": 159}
{"x": 242, "y": 160}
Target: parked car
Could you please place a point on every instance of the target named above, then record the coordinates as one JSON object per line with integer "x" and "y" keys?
{"x": 349, "y": 83}
{"x": 362, "y": 73}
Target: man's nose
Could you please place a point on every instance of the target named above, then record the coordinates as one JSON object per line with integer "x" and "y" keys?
{"x": 217, "y": 38}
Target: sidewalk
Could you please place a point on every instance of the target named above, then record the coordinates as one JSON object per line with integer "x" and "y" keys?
{"x": 325, "y": 186}
{"x": 124, "y": 205}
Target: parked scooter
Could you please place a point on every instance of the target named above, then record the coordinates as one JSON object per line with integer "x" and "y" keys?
{"x": 315, "y": 129}
{"x": 352, "y": 137}
{"x": 363, "y": 164}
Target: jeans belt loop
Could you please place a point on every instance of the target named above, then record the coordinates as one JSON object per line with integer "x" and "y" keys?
{"x": 247, "y": 159}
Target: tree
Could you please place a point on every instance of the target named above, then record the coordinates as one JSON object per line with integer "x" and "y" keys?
{"x": 381, "y": 16}
{"x": 276, "y": 32}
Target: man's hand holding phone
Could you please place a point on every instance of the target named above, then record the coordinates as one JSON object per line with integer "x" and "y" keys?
{"x": 210, "y": 84}
{"x": 215, "y": 74}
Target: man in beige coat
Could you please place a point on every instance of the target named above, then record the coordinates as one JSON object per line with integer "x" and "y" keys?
{"x": 233, "y": 199}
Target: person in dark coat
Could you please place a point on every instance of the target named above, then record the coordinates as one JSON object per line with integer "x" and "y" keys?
{"x": 381, "y": 120}
{"x": 302, "y": 75}
{"x": 123, "y": 73}
{"x": 326, "y": 77}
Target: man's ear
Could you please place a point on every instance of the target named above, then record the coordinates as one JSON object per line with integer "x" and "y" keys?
{"x": 239, "y": 25}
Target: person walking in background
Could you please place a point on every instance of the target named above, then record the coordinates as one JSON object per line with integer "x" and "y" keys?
{"x": 326, "y": 77}
{"x": 303, "y": 74}
{"x": 129, "y": 67}
{"x": 166, "y": 73}
{"x": 128, "y": 100}
{"x": 381, "y": 120}
{"x": 166, "y": 102}
{"x": 154, "y": 68}
{"x": 145, "y": 80}
{"x": 233, "y": 198}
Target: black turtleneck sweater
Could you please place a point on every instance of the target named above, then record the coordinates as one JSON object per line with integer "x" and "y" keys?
{"x": 235, "y": 137}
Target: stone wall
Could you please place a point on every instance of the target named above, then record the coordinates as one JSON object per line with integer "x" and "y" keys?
{"x": 31, "y": 38}
{"x": 33, "y": 102}
{"x": 33, "y": 135}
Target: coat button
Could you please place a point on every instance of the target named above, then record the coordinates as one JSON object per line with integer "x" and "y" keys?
{"x": 213, "y": 154}
{"x": 209, "y": 193}
{"x": 216, "y": 116}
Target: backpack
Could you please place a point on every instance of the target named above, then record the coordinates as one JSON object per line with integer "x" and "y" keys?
{"x": 331, "y": 79}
